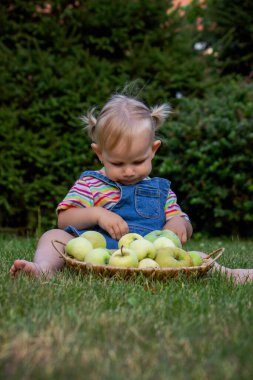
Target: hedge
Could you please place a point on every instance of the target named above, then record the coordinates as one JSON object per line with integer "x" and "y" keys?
{"x": 56, "y": 65}
{"x": 207, "y": 152}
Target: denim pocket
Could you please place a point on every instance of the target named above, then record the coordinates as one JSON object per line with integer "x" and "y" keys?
{"x": 147, "y": 202}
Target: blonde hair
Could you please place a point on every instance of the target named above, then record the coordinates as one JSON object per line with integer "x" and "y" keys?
{"x": 119, "y": 119}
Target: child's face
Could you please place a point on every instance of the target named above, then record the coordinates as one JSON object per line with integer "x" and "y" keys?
{"x": 129, "y": 163}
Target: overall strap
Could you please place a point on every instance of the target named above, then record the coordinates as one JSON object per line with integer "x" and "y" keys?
{"x": 102, "y": 177}
{"x": 162, "y": 183}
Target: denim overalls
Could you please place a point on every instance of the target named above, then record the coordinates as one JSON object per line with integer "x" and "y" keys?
{"x": 140, "y": 205}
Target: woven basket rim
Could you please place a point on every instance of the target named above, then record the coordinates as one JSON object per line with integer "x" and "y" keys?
{"x": 208, "y": 262}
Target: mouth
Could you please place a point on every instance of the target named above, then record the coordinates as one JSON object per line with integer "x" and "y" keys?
{"x": 129, "y": 181}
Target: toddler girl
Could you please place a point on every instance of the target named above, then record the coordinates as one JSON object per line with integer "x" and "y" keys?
{"x": 121, "y": 197}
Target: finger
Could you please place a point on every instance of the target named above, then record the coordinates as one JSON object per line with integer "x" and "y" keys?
{"x": 124, "y": 228}
{"x": 127, "y": 228}
{"x": 183, "y": 237}
{"x": 120, "y": 228}
{"x": 110, "y": 231}
{"x": 116, "y": 232}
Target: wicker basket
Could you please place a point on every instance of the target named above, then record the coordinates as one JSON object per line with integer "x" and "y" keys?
{"x": 157, "y": 273}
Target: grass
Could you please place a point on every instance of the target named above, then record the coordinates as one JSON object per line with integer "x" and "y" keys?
{"x": 88, "y": 327}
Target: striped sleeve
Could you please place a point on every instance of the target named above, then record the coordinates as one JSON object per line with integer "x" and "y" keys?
{"x": 172, "y": 208}
{"x": 78, "y": 196}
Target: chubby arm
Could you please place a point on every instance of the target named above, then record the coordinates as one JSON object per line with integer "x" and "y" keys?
{"x": 77, "y": 209}
{"x": 180, "y": 226}
{"x": 86, "y": 217}
{"x": 79, "y": 218}
{"x": 177, "y": 221}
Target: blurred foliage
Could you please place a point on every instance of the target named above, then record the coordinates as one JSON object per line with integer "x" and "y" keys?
{"x": 58, "y": 59}
{"x": 229, "y": 30}
{"x": 207, "y": 152}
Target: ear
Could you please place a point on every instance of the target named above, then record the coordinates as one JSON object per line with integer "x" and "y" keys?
{"x": 155, "y": 146}
{"x": 97, "y": 150}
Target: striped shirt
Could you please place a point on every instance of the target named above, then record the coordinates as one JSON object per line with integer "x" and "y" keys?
{"x": 92, "y": 192}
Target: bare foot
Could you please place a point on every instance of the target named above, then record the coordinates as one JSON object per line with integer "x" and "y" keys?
{"x": 30, "y": 268}
{"x": 240, "y": 276}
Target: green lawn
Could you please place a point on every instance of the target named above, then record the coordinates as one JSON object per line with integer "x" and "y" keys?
{"x": 86, "y": 327}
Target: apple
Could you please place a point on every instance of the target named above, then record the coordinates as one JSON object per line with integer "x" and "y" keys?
{"x": 127, "y": 239}
{"x": 152, "y": 236}
{"x": 163, "y": 242}
{"x": 96, "y": 238}
{"x": 78, "y": 248}
{"x": 143, "y": 248}
{"x": 148, "y": 263}
{"x": 173, "y": 257}
{"x": 124, "y": 257}
{"x": 98, "y": 256}
{"x": 196, "y": 258}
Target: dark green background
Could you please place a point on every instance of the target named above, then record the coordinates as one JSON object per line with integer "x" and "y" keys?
{"x": 55, "y": 66}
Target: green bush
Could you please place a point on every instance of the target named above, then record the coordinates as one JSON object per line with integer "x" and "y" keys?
{"x": 208, "y": 144}
{"x": 228, "y": 29}
{"x": 55, "y": 66}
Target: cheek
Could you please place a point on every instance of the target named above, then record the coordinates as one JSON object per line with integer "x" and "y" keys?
{"x": 111, "y": 172}
{"x": 146, "y": 168}
{"x": 149, "y": 166}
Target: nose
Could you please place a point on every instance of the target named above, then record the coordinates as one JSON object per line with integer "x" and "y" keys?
{"x": 129, "y": 171}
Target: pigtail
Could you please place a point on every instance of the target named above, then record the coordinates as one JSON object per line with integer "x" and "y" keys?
{"x": 159, "y": 114}
{"x": 90, "y": 123}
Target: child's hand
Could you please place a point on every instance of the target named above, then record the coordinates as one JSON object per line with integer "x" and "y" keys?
{"x": 180, "y": 227}
{"x": 112, "y": 223}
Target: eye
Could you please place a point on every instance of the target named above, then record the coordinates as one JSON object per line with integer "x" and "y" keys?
{"x": 139, "y": 162}
{"x": 116, "y": 163}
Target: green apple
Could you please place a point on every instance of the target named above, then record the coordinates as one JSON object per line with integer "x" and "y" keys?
{"x": 173, "y": 258}
{"x": 196, "y": 258}
{"x": 152, "y": 236}
{"x": 78, "y": 248}
{"x": 98, "y": 256}
{"x": 163, "y": 242}
{"x": 124, "y": 257}
{"x": 148, "y": 263}
{"x": 143, "y": 248}
{"x": 127, "y": 239}
{"x": 172, "y": 236}
{"x": 96, "y": 238}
